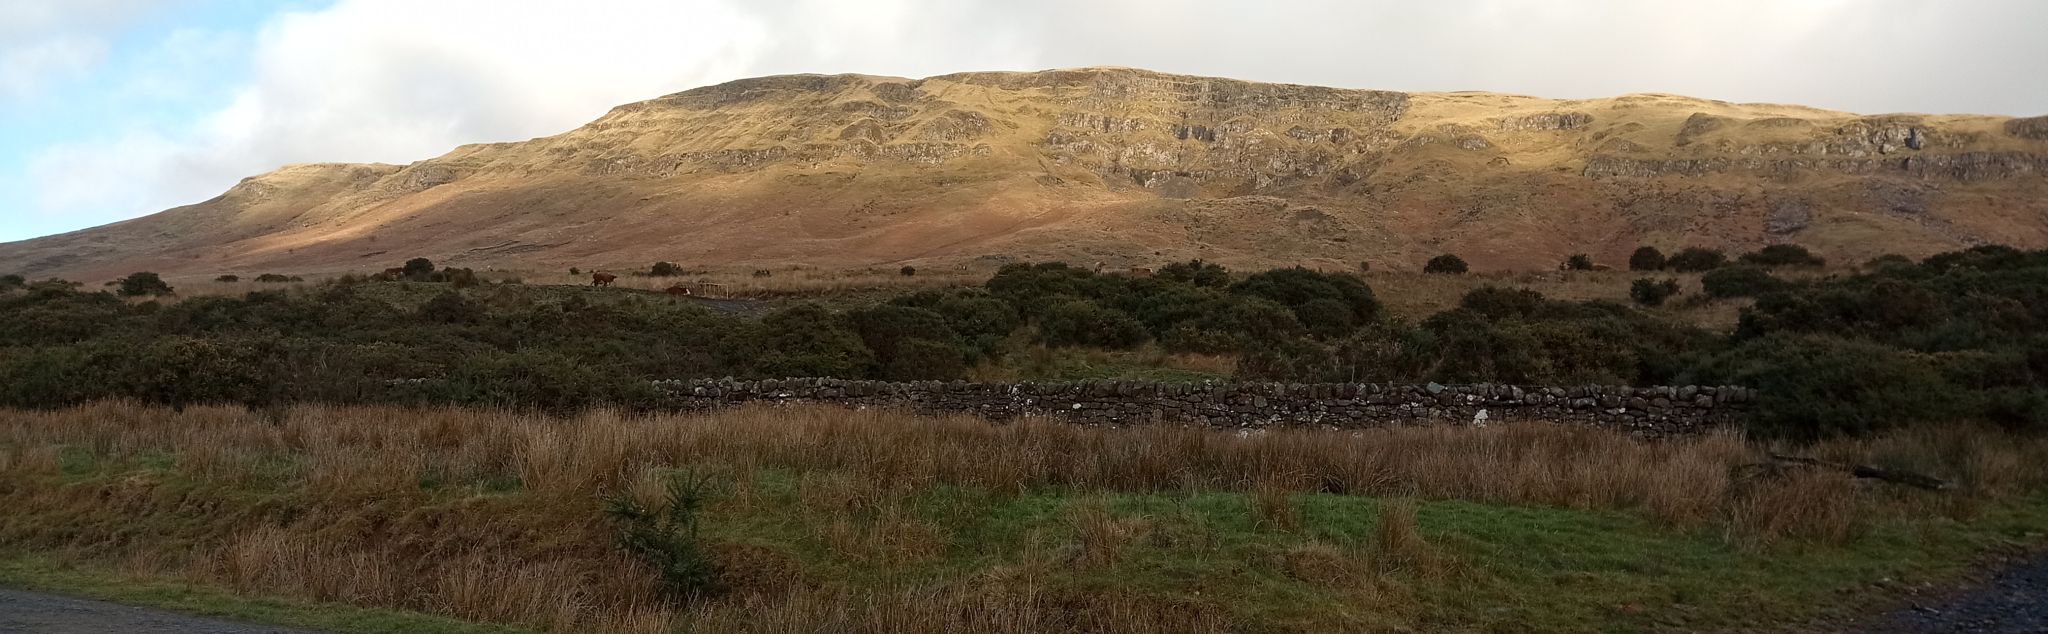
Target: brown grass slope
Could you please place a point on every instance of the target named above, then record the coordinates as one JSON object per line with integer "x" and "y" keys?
{"x": 1126, "y": 166}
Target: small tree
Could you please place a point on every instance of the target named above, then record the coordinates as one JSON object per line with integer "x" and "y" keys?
{"x": 665, "y": 269}
{"x": 418, "y": 267}
{"x": 1696, "y": 260}
{"x": 575, "y": 271}
{"x": 666, "y": 539}
{"x": 1783, "y": 255}
{"x": 1446, "y": 263}
{"x": 1579, "y": 262}
{"x": 1646, "y": 259}
{"x": 907, "y": 271}
{"x": 143, "y": 283}
{"x": 228, "y": 278}
{"x": 1649, "y": 292}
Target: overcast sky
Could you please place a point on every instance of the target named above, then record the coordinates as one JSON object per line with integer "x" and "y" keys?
{"x": 111, "y": 109}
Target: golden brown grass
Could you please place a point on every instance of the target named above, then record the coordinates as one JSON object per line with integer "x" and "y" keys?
{"x": 493, "y": 515}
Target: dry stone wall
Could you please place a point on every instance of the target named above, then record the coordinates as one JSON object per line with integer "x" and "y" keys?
{"x": 1656, "y": 411}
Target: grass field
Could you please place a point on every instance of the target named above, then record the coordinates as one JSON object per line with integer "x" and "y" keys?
{"x": 824, "y": 519}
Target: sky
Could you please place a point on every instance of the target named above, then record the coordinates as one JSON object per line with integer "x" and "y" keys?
{"x": 113, "y": 109}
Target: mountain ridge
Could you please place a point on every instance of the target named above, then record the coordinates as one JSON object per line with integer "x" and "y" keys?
{"x": 1124, "y": 166}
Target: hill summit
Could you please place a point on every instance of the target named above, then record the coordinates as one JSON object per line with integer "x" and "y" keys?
{"x": 1123, "y": 166}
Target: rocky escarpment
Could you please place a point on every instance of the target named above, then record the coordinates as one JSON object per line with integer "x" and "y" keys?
{"x": 1127, "y": 166}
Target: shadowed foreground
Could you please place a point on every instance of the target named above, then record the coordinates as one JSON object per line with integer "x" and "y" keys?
{"x": 824, "y": 519}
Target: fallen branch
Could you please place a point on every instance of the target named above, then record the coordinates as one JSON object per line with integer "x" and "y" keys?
{"x": 1907, "y": 478}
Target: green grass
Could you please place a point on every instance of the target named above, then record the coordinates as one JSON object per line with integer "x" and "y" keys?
{"x": 41, "y": 575}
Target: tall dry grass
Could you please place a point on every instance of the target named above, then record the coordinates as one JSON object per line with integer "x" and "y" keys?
{"x": 493, "y": 515}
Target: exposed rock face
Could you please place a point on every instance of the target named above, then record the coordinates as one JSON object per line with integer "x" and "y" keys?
{"x": 1119, "y": 164}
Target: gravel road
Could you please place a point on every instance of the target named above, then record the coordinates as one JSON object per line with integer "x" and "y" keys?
{"x": 2013, "y": 602}
{"x": 37, "y": 613}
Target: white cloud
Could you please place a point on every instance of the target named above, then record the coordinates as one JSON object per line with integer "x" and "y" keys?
{"x": 43, "y": 40}
{"x": 397, "y": 81}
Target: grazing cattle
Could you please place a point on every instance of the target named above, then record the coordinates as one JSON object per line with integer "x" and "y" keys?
{"x": 602, "y": 279}
{"x": 393, "y": 273}
{"x": 678, "y": 290}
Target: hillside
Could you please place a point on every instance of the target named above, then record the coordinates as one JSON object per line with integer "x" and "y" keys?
{"x": 1122, "y": 166}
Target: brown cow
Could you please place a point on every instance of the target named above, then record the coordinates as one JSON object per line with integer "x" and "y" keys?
{"x": 678, "y": 290}
{"x": 393, "y": 273}
{"x": 602, "y": 279}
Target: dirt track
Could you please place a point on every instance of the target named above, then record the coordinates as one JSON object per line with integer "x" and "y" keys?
{"x": 37, "y": 613}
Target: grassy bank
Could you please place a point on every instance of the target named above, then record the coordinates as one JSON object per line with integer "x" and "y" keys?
{"x": 832, "y": 520}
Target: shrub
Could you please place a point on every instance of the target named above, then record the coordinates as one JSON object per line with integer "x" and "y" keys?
{"x": 1328, "y": 305}
{"x": 274, "y": 278}
{"x": 907, "y": 271}
{"x": 1696, "y": 260}
{"x": 418, "y": 267}
{"x": 451, "y": 308}
{"x": 808, "y": 340}
{"x": 1814, "y": 387}
{"x": 12, "y": 281}
{"x": 1079, "y": 322}
{"x": 1445, "y": 263}
{"x": 1783, "y": 255}
{"x": 763, "y": 273}
{"x": 228, "y": 278}
{"x": 667, "y": 541}
{"x": 1197, "y": 273}
{"x": 575, "y": 271}
{"x": 1739, "y": 281}
{"x": 925, "y": 360}
{"x": 1364, "y": 267}
{"x": 1497, "y": 303}
{"x": 143, "y": 283}
{"x": 664, "y": 269}
{"x": 1579, "y": 262}
{"x": 1649, "y": 292}
{"x": 1646, "y": 259}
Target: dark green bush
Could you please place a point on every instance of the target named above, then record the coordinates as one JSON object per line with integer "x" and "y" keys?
{"x": 1649, "y": 292}
{"x": 418, "y": 267}
{"x": 1813, "y": 387}
{"x": 1777, "y": 255}
{"x": 12, "y": 281}
{"x": 451, "y": 307}
{"x": 1197, "y": 273}
{"x": 1739, "y": 281}
{"x": 1646, "y": 259}
{"x": 1696, "y": 260}
{"x": 1579, "y": 262}
{"x": 228, "y": 278}
{"x": 1329, "y": 305}
{"x": 274, "y": 278}
{"x": 143, "y": 283}
{"x": 664, "y": 269}
{"x": 1079, "y": 322}
{"x": 809, "y": 340}
{"x": 1446, "y": 263}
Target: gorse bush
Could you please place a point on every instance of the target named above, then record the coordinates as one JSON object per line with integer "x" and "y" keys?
{"x": 1777, "y": 255}
{"x": 1649, "y": 292}
{"x": 1446, "y": 263}
{"x": 418, "y": 267}
{"x": 1696, "y": 260}
{"x": 1739, "y": 281}
{"x": 228, "y": 278}
{"x": 141, "y": 284}
{"x": 664, "y": 269}
{"x": 1578, "y": 262}
{"x": 1646, "y": 259}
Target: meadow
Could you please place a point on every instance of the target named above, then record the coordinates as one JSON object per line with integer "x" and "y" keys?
{"x": 815, "y": 519}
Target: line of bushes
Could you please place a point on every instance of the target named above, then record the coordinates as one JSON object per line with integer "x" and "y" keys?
{"x": 1954, "y": 337}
